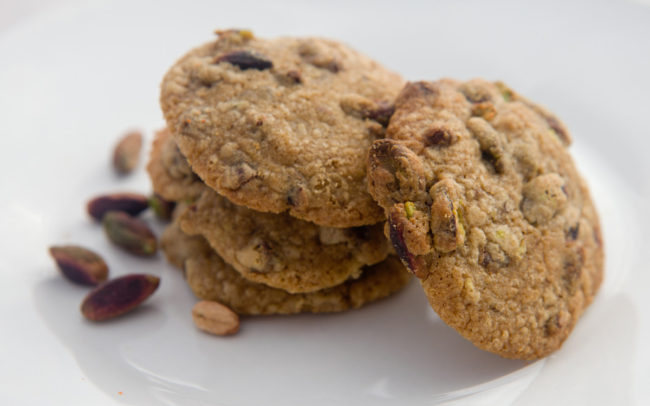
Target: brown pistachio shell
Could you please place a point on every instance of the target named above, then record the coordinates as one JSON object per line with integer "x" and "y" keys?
{"x": 80, "y": 265}
{"x": 118, "y": 296}
{"x": 130, "y": 233}
{"x": 131, "y": 203}
{"x": 162, "y": 208}
{"x": 127, "y": 152}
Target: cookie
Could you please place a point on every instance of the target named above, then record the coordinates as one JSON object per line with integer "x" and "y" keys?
{"x": 178, "y": 246}
{"x": 275, "y": 249}
{"x": 280, "y": 250}
{"x": 210, "y": 278}
{"x": 171, "y": 176}
{"x": 282, "y": 124}
{"x": 486, "y": 207}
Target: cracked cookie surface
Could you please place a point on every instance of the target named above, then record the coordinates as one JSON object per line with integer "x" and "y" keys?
{"x": 486, "y": 207}
{"x": 282, "y": 124}
{"x": 210, "y": 278}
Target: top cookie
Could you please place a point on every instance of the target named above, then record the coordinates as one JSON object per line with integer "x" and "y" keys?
{"x": 282, "y": 124}
{"x": 486, "y": 207}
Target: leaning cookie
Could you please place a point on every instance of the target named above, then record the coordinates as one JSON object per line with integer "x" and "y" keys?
{"x": 280, "y": 250}
{"x": 282, "y": 124}
{"x": 485, "y": 206}
{"x": 170, "y": 174}
{"x": 210, "y": 278}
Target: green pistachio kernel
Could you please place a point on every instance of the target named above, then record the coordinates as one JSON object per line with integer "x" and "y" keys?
{"x": 505, "y": 91}
{"x": 409, "y": 207}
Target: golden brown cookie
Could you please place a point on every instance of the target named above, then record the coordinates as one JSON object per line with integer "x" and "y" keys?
{"x": 275, "y": 249}
{"x": 485, "y": 206}
{"x": 282, "y": 124}
{"x": 210, "y": 278}
{"x": 280, "y": 250}
{"x": 171, "y": 176}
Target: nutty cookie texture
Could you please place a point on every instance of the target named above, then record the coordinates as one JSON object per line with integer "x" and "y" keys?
{"x": 210, "y": 278}
{"x": 170, "y": 174}
{"x": 282, "y": 124}
{"x": 485, "y": 206}
{"x": 282, "y": 251}
{"x": 276, "y": 249}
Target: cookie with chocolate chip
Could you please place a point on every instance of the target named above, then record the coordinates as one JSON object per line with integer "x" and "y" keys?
{"x": 211, "y": 278}
{"x": 282, "y": 124}
{"x": 485, "y": 206}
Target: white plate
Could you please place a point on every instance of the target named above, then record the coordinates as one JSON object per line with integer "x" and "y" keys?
{"x": 73, "y": 79}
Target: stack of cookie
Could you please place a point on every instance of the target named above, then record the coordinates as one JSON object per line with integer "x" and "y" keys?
{"x": 265, "y": 151}
{"x": 285, "y": 147}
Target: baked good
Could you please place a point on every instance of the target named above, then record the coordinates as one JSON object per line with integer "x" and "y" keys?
{"x": 282, "y": 124}
{"x": 485, "y": 206}
{"x": 275, "y": 249}
{"x": 280, "y": 250}
{"x": 171, "y": 176}
{"x": 210, "y": 278}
